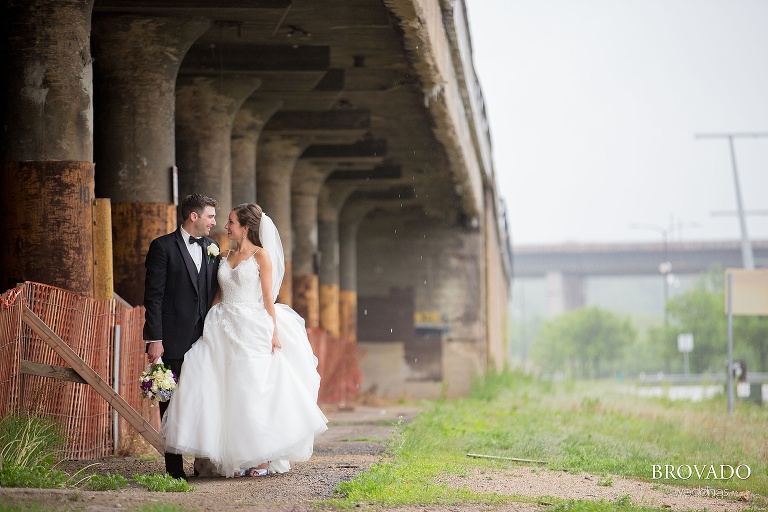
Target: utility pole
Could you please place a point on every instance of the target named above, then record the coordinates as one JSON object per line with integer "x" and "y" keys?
{"x": 748, "y": 260}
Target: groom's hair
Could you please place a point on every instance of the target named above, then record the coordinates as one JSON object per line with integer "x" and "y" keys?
{"x": 196, "y": 203}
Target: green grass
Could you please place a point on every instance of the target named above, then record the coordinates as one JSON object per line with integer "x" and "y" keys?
{"x": 163, "y": 483}
{"x": 108, "y": 482}
{"x": 28, "y": 441}
{"x": 29, "y": 447}
{"x": 26, "y": 507}
{"x": 578, "y": 427}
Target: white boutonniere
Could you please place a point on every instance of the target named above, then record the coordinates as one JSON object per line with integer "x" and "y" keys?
{"x": 213, "y": 251}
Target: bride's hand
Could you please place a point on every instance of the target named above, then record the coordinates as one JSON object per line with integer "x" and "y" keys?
{"x": 275, "y": 343}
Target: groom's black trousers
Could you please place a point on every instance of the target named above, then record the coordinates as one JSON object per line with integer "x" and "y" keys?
{"x": 174, "y": 463}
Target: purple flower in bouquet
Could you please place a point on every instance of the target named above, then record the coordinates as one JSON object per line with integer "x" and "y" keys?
{"x": 158, "y": 382}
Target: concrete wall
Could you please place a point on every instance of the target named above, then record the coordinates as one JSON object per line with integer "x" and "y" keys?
{"x": 445, "y": 267}
{"x": 497, "y": 295}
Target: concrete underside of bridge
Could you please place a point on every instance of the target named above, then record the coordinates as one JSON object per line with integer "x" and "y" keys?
{"x": 357, "y": 125}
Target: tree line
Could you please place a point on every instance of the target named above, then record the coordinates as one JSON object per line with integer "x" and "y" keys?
{"x": 596, "y": 342}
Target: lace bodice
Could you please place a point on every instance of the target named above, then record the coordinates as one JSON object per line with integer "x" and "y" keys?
{"x": 241, "y": 284}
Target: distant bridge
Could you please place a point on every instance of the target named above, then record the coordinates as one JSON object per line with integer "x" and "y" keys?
{"x": 566, "y": 266}
{"x": 631, "y": 258}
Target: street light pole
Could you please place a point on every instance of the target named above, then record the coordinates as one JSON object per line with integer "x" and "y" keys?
{"x": 665, "y": 267}
{"x": 747, "y": 256}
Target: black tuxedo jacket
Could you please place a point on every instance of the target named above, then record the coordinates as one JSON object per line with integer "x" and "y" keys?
{"x": 176, "y": 296}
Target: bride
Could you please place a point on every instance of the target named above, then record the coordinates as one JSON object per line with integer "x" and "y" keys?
{"x": 247, "y": 399}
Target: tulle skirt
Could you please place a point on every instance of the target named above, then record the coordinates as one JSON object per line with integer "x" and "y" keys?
{"x": 238, "y": 404}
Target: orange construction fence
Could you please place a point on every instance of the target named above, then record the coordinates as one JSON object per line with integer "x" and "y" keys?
{"x": 93, "y": 329}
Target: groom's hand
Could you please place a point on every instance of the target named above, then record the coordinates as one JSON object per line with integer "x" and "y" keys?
{"x": 154, "y": 351}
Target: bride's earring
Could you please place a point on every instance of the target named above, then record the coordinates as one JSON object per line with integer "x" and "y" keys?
{"x": 243, "y": 235}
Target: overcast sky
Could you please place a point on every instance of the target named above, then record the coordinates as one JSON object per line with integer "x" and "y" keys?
{"x": 594, "y": 105}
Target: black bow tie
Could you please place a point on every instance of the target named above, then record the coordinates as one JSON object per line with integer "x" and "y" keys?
{"x": 193, "y": 240}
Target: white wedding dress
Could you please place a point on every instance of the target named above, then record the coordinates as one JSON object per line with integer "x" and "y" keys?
{"x": 238, "y": 404}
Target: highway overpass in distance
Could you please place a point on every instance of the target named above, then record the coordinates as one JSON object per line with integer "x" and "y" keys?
{"x": 631, "y": 258}
{"x": 566, "y": 267}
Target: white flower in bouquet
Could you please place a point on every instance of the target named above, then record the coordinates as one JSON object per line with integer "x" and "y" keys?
{"x": 158, "y": 383}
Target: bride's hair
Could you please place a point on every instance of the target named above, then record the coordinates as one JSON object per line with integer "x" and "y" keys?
{"x": 249, "y": 215}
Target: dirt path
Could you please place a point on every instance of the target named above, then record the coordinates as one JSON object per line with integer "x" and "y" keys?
{"x": 354, "y": 442}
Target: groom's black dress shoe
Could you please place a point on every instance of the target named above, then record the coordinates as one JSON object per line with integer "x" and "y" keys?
{"x": 181, "y": 475}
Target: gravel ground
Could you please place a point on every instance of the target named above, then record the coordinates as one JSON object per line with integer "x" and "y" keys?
{"x": 354, "y": 441}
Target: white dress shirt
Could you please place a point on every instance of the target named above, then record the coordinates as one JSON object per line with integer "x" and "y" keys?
{"x": 195, "y": 250}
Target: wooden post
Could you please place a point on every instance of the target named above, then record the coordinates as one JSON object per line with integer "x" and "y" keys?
{"x": 93, "y": 379}
{"x": 103, "y": 284}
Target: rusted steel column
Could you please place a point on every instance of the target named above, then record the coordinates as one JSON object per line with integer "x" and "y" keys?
{"x": 49, "y": 230}
{"x": 305, "y": 189}
{"x": 103, "y": 284}
{"x": 249, "y": 121}
{"x": 47, "y": 142}
{"x": 275, "y": 159}
{"x": 141, "y": 223}
{"x": 136, "y": 62}
{"x": 205, "y": 110}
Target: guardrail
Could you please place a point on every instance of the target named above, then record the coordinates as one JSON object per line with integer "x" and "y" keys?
{"x": 698, "y": 379}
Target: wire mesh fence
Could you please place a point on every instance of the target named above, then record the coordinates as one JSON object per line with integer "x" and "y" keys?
{"x": 98, "y": 331}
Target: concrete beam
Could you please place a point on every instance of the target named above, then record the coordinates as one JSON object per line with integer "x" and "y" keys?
{"x": 363, "y": 148}
{"x": 313, "y": 121}
{"x": 210, "y": 58}
{"x": 200, "y": 7}
{"x": 380, "y": 172}
{"x": 400, "y": 192}
{"x": 320, "y": 127}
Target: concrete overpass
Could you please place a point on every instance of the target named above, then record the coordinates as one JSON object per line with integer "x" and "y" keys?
{"x": 359, "y": 126}
{"x": 565, "y": 267}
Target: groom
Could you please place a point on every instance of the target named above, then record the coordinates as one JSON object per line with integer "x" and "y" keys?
{"x": 178, "y": 291}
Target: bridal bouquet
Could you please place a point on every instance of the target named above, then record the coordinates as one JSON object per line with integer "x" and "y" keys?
{"x": 157, "y": 382}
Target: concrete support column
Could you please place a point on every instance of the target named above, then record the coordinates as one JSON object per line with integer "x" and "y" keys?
{"x": 205, "y": 111}
{"x": 47, "y": 184}
{"x": 328, "y": 272}
{"x": 565, "y": 292}
{"x": 137, "y": 59}
{"x": 305, "y": 189}
{"x": 348, "y": 277}
{"x": 249, "y": 121}
{"x": 276, "y": 157}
